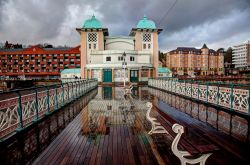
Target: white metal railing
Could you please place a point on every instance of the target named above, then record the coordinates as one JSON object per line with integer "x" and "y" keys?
{"x": 237, "y": 99}
{"x": 21, "y": 108}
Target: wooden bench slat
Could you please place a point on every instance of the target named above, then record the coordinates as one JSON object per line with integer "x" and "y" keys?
{"x": 187, "y": 142}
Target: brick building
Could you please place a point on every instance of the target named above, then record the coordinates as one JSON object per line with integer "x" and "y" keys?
{"x": 191, "y": 61}
{"x": 37, "y": 62}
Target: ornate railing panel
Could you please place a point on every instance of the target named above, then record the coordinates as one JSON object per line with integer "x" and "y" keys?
{"x": 21, "y": 108}
{"x": 8, "y": 115}
{"x": 232, "y": 97}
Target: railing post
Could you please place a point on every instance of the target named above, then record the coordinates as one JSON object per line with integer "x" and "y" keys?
{"x": 191, "y": 90}
{"x": 218, "y": 93}
{"x": 72, "y": 91}
{"x": 249, "y": 101}
{"x": 37, "y": 107}
{"x": 76, "y": 96}
{"x": 232, "y": 97}
{"x": 68, "y": 91}
{"x": 171, "y": 84}
{"x": 62, "y": 93}
{"x": 185, "y": 88}
{"x": 48, "y": 111}
{"x": 198, "y": 90}
{"x": 56, "y": 97}
{"x": 207, "y": 92}
{"x": 20, "y": 111}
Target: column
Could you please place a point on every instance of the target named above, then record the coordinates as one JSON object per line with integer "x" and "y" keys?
{"x": 113, "y": 93}
{"x": 113, "y": 75}
{"x": 101, "y": 75}
{"x": 149, "y": 76}
{"x": 86, "y": 73}
{"x": 90, "y": 73}
{"x": 140, "y": 74}
{"x": 128, "y": 75}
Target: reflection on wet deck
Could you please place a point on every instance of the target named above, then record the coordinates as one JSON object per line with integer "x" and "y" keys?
{"x": 114, "y": 130}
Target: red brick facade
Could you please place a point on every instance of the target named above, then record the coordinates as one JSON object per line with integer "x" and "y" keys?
{"x": 37, "y": 62}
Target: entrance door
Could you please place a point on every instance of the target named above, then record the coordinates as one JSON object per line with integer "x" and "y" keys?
{"x": 134, "y": 75}
{"x": 107, "y": 76}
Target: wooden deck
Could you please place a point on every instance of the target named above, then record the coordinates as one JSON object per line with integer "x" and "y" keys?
{"x": 98, "y": 138}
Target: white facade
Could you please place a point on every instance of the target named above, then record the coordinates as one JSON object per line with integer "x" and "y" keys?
{"x": 241, "y": 55}
{"x": 102, "y": 56}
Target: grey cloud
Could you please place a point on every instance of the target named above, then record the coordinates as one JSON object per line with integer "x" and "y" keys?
{"x": 43, "y": 20}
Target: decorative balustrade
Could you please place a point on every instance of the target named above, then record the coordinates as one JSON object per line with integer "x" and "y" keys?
{"x": 235, "y": 97}
{"x": 21, "y": 108}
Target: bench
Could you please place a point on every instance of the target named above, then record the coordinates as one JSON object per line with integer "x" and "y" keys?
{"x": 156, "y": 126}
{"x": 196, "y": 151}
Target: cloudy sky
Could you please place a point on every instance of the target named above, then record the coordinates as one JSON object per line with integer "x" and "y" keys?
{"x": 219, "y": 23}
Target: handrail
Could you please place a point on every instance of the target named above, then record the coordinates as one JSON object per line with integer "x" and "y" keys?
{"x": 21, "y": 110}
{"x": 230, "y": 97}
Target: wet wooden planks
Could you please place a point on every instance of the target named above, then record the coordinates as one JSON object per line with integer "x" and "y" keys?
{"x": 118, "y": 144}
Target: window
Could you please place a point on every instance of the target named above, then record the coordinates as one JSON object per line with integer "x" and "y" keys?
{"x": 120, "y": 58}
{"x": 94, "y": 45}
{"x": 108, "y": 58}
{"x": 147, "y": 37}
{"x": 92, "y": 37}
{"x": 149, "y": 46}
{"x": 132, "y": 58}
{"x": 144, "y": 46}
{"x": 89, "y": 46}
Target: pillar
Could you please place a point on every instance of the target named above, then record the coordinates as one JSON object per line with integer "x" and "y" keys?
{"x": 139, "y": 74}
{"x": 149, "y": 76}
{"x": 101, "y": 75}
{"x": 128, "y": 75}
{"x": 113, "y": 75}
{"x": 90, "y": 74}
{"x": 113, "y": 93}
{"x": 86, "y": 73}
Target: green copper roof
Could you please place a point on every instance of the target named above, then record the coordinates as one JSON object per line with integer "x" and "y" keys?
{"x": 74, "y": 71}
{"x": 92, "y": 23}
{"x": 164, "y": 70}
{"x": 145, "y": 23}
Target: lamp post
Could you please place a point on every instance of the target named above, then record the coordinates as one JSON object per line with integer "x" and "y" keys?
{"x": 124, "y": 66}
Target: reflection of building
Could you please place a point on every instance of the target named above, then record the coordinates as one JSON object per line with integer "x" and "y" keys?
{"x": 241, "y": 55}
{"x": 192, "y": 61}
{"x": 109, "y": 108}
{"x": 101, "y": 54}
{"x": 37, "y": 62}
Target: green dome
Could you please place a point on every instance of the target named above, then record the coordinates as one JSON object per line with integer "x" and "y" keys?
{"x": 145, "y": 23}
{"x": 92, "y": 23}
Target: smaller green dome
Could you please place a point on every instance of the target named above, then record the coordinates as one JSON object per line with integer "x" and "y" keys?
{"x": 145, "y": 23}
{"x": 92, "y": 23}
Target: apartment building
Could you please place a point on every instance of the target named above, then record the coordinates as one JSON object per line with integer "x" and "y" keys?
{"x": 37, "y": 62}
{"x": 241, "y": 55}
{"x": 191, "y": 61}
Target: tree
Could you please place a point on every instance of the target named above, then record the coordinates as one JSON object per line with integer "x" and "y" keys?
{"x": 161, "y": 57}
{"x": 228, "y": 55}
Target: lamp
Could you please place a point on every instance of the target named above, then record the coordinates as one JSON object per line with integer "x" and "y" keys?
{"x": 124, "y": 66}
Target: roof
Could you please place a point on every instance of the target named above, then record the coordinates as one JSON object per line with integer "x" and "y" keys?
{"x": 145, "y": 23}
{"x": 204, "y": 46}
{"x": 164, "y": 70}
{"x": 92, "y": 23}
{"x": 187, "y": 49}
{"x": 39, "y": 50}
{"x": 75, "y": 70}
